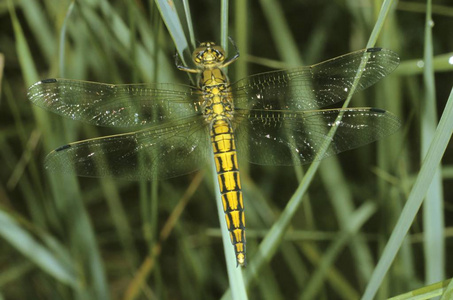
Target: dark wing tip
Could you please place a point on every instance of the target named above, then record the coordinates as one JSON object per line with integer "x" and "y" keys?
{"x": 375, "y": 49}
{"x": 36, "y": 89}
{"x": 378, "y": 110}
{"x": 63, "y": 148}
{"x": 49, "y": 80}
{"x": 44, "y": 81}
{"x": 389, "y": 54}
{"x": 392, "y": 121}
{"x": 385, "y": 57}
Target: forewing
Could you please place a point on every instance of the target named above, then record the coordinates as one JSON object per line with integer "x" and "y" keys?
{"x": 314, "y": 86}
{"x": 115, "y": 105}
{"x": 281, "y": 138}
{"x": 158, "y": 152}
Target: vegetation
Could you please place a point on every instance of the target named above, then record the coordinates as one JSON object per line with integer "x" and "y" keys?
{"x": 318, "y": 232}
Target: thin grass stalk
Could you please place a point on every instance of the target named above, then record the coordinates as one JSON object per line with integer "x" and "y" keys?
{"x": 224, "y": 13}
{"x": 49, "y": 261}
{"x": 63, "y": 31}
{"x": 448, "y": 293}
{"x": 241, "y": 36}
{"x": 38, "y": 23}
{"x": 42, "y": 258}
{"x": 33, "y": 191}
{"x": 428, "y": 292}
{"x": 433, "y": 215}
{"x": 382, "y": 17}
{"x": 174, "y": 26}
{"x": 358, "y": 219}
{"x": 430, "y": 164}
{"x": 189, "y": 23}
{"x": 440, "y": 63}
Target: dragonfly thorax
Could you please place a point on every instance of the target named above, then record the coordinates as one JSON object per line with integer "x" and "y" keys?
{"x": 216, "y": 94}
{"x": 217, "y": 102}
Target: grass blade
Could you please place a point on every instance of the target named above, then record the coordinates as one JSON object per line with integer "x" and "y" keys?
{"x": 19, "y": 238}
{"x": 433, "y": 221}
{"x": 430, "y": 164}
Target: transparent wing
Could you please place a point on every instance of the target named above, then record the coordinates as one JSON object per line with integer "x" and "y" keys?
{"x": 115, "y": 105}
{"x": 315, "y": 86}
{"x": 287, "y": 138}
{"x": 158, "y": 152}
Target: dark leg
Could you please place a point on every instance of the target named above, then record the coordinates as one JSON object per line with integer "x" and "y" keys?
{"x": 182, "y": 67}
{"x": 235, "y": 57}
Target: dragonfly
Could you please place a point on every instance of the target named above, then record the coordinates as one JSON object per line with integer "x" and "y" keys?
{"x": 272, "y": 118}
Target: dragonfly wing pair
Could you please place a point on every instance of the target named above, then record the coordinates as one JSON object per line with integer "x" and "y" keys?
{"x": 284, "y": 138}
{"x": 277, "y": 119}
{"x": 178, "y": 145}
{"x": 278, "y": 113}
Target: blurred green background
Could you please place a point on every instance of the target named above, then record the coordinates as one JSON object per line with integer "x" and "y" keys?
{"x": 63, "y": 237}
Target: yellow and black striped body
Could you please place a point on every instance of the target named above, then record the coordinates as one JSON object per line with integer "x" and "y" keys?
{"x": 229, "y": 182}
{"x": 218, "y": 112}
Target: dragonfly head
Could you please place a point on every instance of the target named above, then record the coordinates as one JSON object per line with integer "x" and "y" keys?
{"x": 208, "y": 55}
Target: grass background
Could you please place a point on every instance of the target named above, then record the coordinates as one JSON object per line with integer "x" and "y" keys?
{"x": 77, "y": 238}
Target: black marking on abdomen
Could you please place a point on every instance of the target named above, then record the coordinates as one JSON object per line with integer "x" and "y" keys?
{"x": 231, "y": 155}
{"x": 223, "y": 181}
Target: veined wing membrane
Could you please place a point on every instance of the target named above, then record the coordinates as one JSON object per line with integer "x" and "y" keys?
{"x": 315, "y": 86}
{"x": 288, "y": 138}
{"x": 125, "y": 105}
{"x": 158, "y": 152}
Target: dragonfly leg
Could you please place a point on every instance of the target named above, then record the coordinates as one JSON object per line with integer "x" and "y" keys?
{"x": 181, "y": 67}
{"x": 235, "y": 57}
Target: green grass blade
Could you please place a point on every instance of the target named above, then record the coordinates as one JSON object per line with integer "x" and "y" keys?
{"x": 41, "y": 28}
{"x": 430, "y": 164}
{"x": 385, "y": 9}
{"x": 356, "y": 221}
{"x": 24, "y": 242}
{"x": 448, "y": 293}
{"x": 86, "y": 246}
{"x": 97, "y": 227}
{"x": 241, "y": 36}
{"x": 428, "y": 292}
{"x": 433, "y": 220}
{"x": 281, "y": 32}
{"x": 189, "y": 23}
{"x": 25, "y": 57}
{"x": 440, "y": 63}
{"x": 174, "y": 26}
{"x": 224, "y": 9}
{"x": 63, "y": 32}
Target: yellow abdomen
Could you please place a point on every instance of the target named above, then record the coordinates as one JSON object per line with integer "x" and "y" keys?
{"x": 225, "y": 157}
